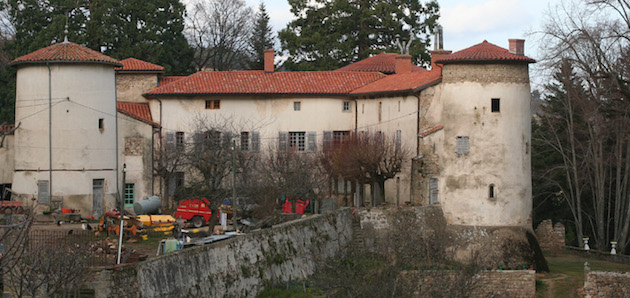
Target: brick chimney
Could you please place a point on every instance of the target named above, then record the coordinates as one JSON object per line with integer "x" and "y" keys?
{"x": 436, "y": 55}
{"x": 517, "y": 46}
{"x": 269, "y": 57}
{"x": 403, "y": 64}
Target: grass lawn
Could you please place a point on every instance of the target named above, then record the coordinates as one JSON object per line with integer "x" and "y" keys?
{"x": 567, "y": 274}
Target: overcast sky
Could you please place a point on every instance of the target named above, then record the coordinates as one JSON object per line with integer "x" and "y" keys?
{"x": 465, "y": 23}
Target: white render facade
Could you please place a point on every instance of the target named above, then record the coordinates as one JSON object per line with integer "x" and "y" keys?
{"x": 472, "y": 161}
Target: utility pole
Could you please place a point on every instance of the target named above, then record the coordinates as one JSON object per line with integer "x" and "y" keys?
{"x": 234, "y": 185}
{"x": 121, "y": 211}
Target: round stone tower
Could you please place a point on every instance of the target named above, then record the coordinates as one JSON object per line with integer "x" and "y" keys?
{"x": 485, "y": 177}
{"x": 66, "y": 112}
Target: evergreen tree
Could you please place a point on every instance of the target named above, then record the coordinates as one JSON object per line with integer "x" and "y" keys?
{"x": 147, "y": 30}
{"x": 328, "y": 34}
{"x": 262, "y": 38}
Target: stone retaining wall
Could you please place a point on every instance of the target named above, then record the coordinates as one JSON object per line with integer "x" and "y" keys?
{"x": 551, "y": 237}
{"x": 238, "y": 267}
{"x": 444, "y": 283}
{"x": 606, "y": 284}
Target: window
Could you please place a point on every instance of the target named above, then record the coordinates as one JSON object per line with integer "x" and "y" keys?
{"x": 340, "y": 136}
{"x": 213, "y": 104}
{"x": 526, "y": 147}
{"x": 297, "y": 105}
{"x": 492, "y": 191}
{"x": 362, "y": 108}
{"x": 380, "y": 111}
{"x": 43, "y": 192}
{"x": 433, "y": 191}
{"x": 179, "y": 180}
{"x": 496, "y": 105}
{"x": 346, "y": 106}
{"x": 297, "y": 141}
{"x": 399, "y": 105}
{"x": 398, "y": 140}
{"x": 129, "y": 194}
{"x": 179, "y": 139}
{"x": 101, "y": 124}
{"x": 462, "y": 146}
{"x": 245, "y": 141}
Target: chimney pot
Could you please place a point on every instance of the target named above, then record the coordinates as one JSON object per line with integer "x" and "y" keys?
{"x": 269, "y": 58}
{"x": 517, "y": 46}
{"x": 403, "y": 64}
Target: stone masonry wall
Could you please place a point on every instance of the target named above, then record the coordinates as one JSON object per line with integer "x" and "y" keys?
{"x": 443, "y": 283}
{"x": 238, "y": 267}
{"x": 550, "y": 237}
{"x": 606, "y": 284}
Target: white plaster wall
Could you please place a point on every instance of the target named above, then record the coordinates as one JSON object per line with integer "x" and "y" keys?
{"x": 7, "y": 160}
{"x": 497, "y": 153}
{"x": 265, "y": 114}
{"x": 81, "y": 151}
{"x": 139, "y": 166}
{"x": 397, "y": 113}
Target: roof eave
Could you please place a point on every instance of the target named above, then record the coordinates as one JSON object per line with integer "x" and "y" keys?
{"x": 140, "y": 71}
{"x": 486, "y": 61}
{"x": 154, "y": 124}
{"x": 402, "y": 91}
{"x": 15, "y": 63}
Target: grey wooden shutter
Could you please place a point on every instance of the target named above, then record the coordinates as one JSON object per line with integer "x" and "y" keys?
{"x": 462, "y": 146}
{"x": 327, "y": 139}
{"x": 312, "y": 141}
{"x": 282, "y": 140}
{"x": 255, "y": 141}
{"x": 433, "y": 191}
{"x": 398, "y": 139}
{"x": 43, "y": 192}
{"x": 170, "y": 141}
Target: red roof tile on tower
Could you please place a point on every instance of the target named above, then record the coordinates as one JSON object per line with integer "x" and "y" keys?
{"x": 259, "y": 82}
{"x": 137, "y": 110}
{"x": 383, "y": 62}
{"x": 65, "y": 52}
{"x": 401, "y": 83}
{"x": 169, "y": 79}
{"x": 484, "y": 52}
{"x": 430, "y": 130}
{"x": 137, "y": 65}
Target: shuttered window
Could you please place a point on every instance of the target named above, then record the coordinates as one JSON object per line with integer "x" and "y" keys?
{"x": 462, "y": 145}
{"x": 245, "y": 140}
{"x": 255, "y": 141}
{"x": 43, "y": 192}
{"x": 433, "y": 191}
{"x": 312, "y": 141}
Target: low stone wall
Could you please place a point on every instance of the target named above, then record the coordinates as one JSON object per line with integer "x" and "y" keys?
{"x": 600, "y": 255}
{"x": 444, "y": 283}
{"x": 238, "y": 267}
{"x": 606, "y": 284}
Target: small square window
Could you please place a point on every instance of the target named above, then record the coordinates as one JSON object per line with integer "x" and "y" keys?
{"x": 346, "y": 106}
{"x": 214, "y": 104}
{"x": 297, "y": 105}
{"x": 496, "y": 105}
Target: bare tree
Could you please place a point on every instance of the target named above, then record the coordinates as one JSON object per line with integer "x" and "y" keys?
{"x": 168, "y": 163}
{"x": 593, "y": 42}
{"x": 368, "y": 158}
{"x": 219, "y": 30}
{"x": 14, "y": 233}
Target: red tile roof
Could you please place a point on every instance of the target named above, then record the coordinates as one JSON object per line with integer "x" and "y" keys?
{"x": 65, "y": 52}
{"x": 429, "y": 131}
{"x": 401, "y": 83}
{"x": 383, "y": 62}
{"x": 137, "y": 110}
{"x": 484, "y": 52}
{"x": 169, "y": 79}
{"x": 137, "y": 65}
{"x": 259, "y": 82}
